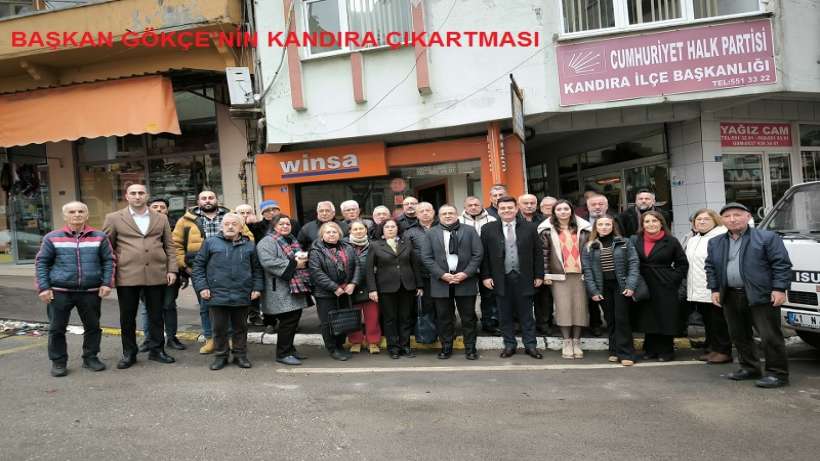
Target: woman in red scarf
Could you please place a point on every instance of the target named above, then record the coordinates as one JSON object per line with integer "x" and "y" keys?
{"x": 663, "y": 266}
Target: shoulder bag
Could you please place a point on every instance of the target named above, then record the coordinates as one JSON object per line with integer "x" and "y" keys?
{"x": 345, "y": 320}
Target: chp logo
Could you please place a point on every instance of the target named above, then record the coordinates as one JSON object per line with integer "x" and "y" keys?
{"x": 586, "y": 61}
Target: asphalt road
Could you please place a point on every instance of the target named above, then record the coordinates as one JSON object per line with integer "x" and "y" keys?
{"x": 378, "y": 408}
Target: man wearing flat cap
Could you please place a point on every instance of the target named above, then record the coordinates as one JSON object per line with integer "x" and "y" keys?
{"x": 748, "y": 271}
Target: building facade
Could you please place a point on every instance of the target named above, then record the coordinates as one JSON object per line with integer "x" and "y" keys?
{"x": 84, "y": 122}
{"x": 701, "y": 101}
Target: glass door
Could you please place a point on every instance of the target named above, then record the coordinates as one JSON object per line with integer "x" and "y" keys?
{"x": 27, "y": 202}
{"x": 745, "y": 182}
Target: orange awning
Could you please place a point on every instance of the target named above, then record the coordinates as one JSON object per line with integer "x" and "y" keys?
{"x": 114, "y": 108}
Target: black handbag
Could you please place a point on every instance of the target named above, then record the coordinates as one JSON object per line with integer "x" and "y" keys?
{"x": 426, "y": 331}
{"x": 360, "y": 296}
{"x": 345, "y": 320}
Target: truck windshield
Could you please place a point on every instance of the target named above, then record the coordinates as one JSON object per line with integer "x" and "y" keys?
{"x": 798, "y": 212}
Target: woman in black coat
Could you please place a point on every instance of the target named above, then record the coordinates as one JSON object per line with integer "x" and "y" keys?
{"x": 663, "y": 266}
{"x": 394, "y": 280}
{"x": 335, "y": 271}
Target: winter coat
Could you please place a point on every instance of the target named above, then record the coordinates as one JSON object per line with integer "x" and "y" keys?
{"x": 553, "y": 259}
{"x": 229, "y": 269}
{"x": 278, "y": 269}
{"x": 663, "y": 269}
{"x": 764, "y": 265}
{"x": 142, "y": 260}
{"x": 189, "y": 235}
{"x": 696, "y": 247}
{"x": 74, "y": 262}
{"x": 476, "y": 222}
{"x": 627, "y": 265}
{"x": 326, "y": 275}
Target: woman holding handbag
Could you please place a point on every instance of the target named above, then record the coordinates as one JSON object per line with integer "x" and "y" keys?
{"x": 611, "y": 271}
{"x": 661, "y": 317}
{"x": 358, "y": 239}
{"x": 287, "y": 283}
{"x": 335, "y": 271}
{"x": 563, "y": 236}
{"x": 394, "y": 280}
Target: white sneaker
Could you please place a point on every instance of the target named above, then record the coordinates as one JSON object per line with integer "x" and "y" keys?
{"x": 576, "y": 349}
{"x": 566, "y": 352}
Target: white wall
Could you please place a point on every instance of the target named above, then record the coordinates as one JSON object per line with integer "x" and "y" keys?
{"x": 233, "y": 148}
{"x": 61, "y": 179}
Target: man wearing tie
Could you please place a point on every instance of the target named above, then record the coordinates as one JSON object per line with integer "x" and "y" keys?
{"x": 146, "y": 264}
{"x": 452, "y": 255}
{"x": 513, "y": 268}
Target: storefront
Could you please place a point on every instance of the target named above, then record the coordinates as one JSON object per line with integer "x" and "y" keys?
{"x": 25, "y": 204}
{"x": 761, "y": 160}
{"x": 374, "y": 174}
{"x": 616, "y": 163}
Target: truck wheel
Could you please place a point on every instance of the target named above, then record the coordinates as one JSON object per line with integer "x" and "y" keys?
{"x": 810, "y": 338}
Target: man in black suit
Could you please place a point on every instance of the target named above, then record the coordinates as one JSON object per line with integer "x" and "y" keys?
{"x": 452, "y": 255}
{"x": 631, "y": 218}
{"x": 513, "y": 267}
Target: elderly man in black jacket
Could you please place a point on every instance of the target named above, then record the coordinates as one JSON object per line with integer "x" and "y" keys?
{"x": 452, "y": 255}
{"x": 513, "y": 267}
{"x": 748, "y": 271}
{"x": 227, "y": 276}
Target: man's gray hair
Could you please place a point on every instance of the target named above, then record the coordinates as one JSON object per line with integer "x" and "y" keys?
{"x": 235, "y": 216}
{"x": 425, "y": 204}
{"x": 347, "y": 204}
{"x": 380, "y": 207}
{"x": 73, "y": 203}
{"x": 326, "y": 202}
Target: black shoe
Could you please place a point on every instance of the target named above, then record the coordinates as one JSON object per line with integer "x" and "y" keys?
{"x": 242, "y": 362}
{"x": 743, "y": 375}
{"x": 144, "y": 347}
{"x": 161, "y": 357}
{"x": 174, "y": 343}
{"x": 493, "y": 331}
{"x": 298, "y": 355}
{"x": 471, "y": 354}
{"x": 446, "y": 351}
{"x": 597, "y": 331}
{"x": 58, "y": 369}
{"x": 534, "y": 353}
{"x": 394, "y": 354}
{"x": 670, "y": 357}
{"x": 771, "y": 382}
{"x": 93, "y": 364}
{"x": 408, "y": 352}
{"x": 219, "y": 363}
{"x": 339, "y": 355}
{"x": 650, "y": 356}
{"x": 507, "y": 353}
{"x": 126, "y": 361}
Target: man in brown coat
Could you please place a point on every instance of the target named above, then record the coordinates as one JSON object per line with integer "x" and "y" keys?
{"x": 146, "y": 263}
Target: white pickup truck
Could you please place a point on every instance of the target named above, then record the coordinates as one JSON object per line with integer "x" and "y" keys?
{"x": 796, "y": 217}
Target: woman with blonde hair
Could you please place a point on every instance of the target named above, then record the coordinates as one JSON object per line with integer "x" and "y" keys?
{"x": 707, "y": 225}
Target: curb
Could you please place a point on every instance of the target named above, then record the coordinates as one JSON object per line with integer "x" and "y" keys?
{"x": 482, "y": 343}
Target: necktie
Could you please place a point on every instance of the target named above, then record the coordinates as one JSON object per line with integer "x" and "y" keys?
{"x": 510, "y": 233}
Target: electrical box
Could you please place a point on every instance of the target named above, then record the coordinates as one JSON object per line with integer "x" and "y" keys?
{"x": 240, "y": 87}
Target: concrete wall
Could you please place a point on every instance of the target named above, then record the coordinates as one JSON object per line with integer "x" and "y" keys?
{"x": 233, "y": 148}
{"x": 61, "y": 177}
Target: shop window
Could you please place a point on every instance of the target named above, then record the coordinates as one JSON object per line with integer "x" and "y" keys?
{"x": 179, "y": 179}
{"x": 197, "y": 124}
{"x": 580, "y": 16}
{"x": 108, "y": 148}
{"x": 537, "y": 182}
{"x": 809, "y": 135}
{"x": 377, "y": 16}
{"x": 15, "y": 8}
{"x": 568, "y": 164}
{"x": 102, "y": 187}
{"x": 26, "y": 204}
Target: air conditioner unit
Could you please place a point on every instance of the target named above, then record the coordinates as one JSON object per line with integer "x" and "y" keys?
{"x": 240, "y": 87}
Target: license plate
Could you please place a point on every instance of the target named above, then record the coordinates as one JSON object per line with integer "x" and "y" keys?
{"x": 803, "y": 320}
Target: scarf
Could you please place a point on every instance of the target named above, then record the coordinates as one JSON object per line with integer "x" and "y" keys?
{"x": 649, "y": 241}
{"x": 606, "y": 240}
{"x": 337, "y": 254}
{"x": 363, "y": 242}
{"x": 393, "y": 244}
{"x": 453, "y": 230}
{"x": 299, "y": 283}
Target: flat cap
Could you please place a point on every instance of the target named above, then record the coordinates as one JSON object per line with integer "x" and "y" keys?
{"x": 734, "y": 205}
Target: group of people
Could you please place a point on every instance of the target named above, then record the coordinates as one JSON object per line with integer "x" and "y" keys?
{"x": 533, "y": 265}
